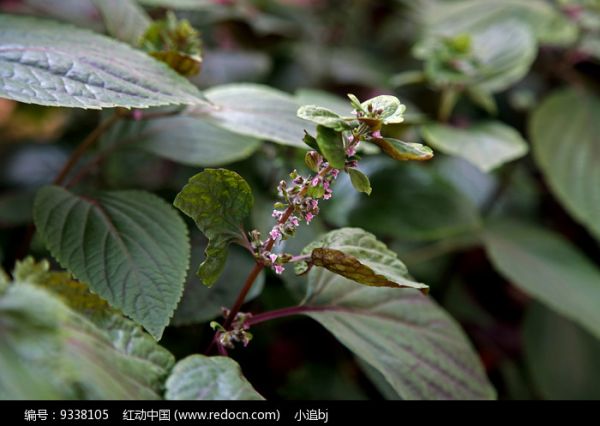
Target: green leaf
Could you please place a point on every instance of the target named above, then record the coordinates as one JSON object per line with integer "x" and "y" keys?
{"x": 85, "y": 363}
{"x": 335, "y": 103}
{"x": 544, "y": 19}
{"x": 199, "y": 377}
{"x": 428, "y": 206}
{"x": 322, "y": 116}
{"x": 403, "y": 151}
{"x": 360, "y": 181}
{"x": 125, "y": 335}
{"x": 500, "y": 55}
{"x": 129, "y": 246}
{"x": 405, "y": 336}
{"x": 187, "y": 140}
{"x": 483, "y": 99}
{"x": 311, "y": 141}
{"x": 257, "y": 111}
{"x": 49, "y": 63}
{"x": 180, "y": 4}
{"x": 331, "y": 146}
{"x": 487, "y": 145}
{"x": 548, "y": 268}
{"x": 359, "y": 256}
{"x": 124, "y": 19}
{"x": 218, "y": 200}
{"x": 200, "y": 303}
{"x": 561, "y": 357}
{"x": 393, "y": 110}
{"x": 564, "y": 132}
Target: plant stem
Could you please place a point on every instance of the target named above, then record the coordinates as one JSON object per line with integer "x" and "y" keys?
{"x": 62, "y": 174}
{"x": 84, "y": 146}
{"x": 258, "y": 267}
{"x": 447, "y": 103}
{"x": 282, "y": 313}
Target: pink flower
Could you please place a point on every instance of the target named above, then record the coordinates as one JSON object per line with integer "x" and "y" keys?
{"x": 313, "y": 204}
{"x": 326, "y": 185}
{"x": 273, "y": 257}
{"x": 351, "y": 150}
{"x": 294, "y": 221}
{"x": 327, "y": 196}
{"x": 315, "y": 181}
{"x": 335, "y": 173}
{"x": 275, "y": 234}
{"x": 376, "y": 134}
{"x": 279, "y": 269}
{"x": 277, "y": 214}
{"x": 308, "y": 217}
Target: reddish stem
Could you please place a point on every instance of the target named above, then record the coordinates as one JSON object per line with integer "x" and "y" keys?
{"x": 260, "y": 266}
{"x": 283, "y": 312}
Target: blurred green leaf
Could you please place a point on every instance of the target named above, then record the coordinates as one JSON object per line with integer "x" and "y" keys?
{"x": 86, "y": 363}
{"x": 564, "y": 132}
{"x": 199, "y": 377}
{"x": 428, "y": 206}
{"x": 358, "y": 256}
{"x": 548, "y": 268}
{"x": 124, "y": 19}
{"x": 418, "y": 348}
{"x": 218, "y": 200}
{"x": 130, "y": 246}
{"x": 561, "y": 357}
{"x": 546, "y": 21}
{"x": 257, "y": 111}
{"x": 487, "y": 145}
{"x": 500, "y": 55}
{"x": 187, "y": 140}
{"x": 41, "y": 55}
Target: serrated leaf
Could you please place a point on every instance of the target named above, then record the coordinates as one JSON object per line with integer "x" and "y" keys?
{"x": 405, "y": 336}
{"x": 218, "y": 200}
{"x": 125, "y": 335}
{"x": 360, "y": 181}
{"x": 199, "y": 377}
{"x": 129, "y": 246}
{"x": 548, "y": 268}
{"x": 256, "y": 110}
{"x": 331, "y": 146}
{"x": 487, "y": 145}
{"x": 124, "y": 19}
{"x": 403, "y": 151}
{"x": 200, "y": 303}
{"x": 357, "y": 255}
{"x": 564, "y": 133}
{"x": 562, "y": 358}
{"x": 85, "y": 363}
{"x": 392, "y": 108}
{"x": 187, "y": 140}
{"x": 49, "y": 63}
{"x": 322, "y": 116}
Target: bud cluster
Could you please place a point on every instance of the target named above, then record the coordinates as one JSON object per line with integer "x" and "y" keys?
{"x": 300, "y": 202}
